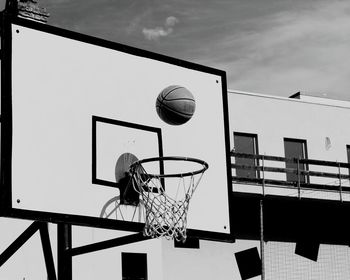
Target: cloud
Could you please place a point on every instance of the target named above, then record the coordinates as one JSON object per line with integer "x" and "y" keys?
{"x": 163, "y": 31}
{"x": 156, "y": 33}
{"x": 171, "y": 21}
{"x": 288, "y": 51}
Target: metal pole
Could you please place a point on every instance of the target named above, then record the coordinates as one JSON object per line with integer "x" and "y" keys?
{"x": 46, "y": 244}
{"x": 262, "y": 240}
{"x": 64, "y": 259}
{"x": 263, "y": 174}
{"x": 107, "y": 244}
{"x": 11, "y": 5}
{"x": 298, "y": 173}
{"x": 340, "y": 186}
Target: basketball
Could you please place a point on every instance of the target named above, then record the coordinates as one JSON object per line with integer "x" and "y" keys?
{"x": 175, "y": 105}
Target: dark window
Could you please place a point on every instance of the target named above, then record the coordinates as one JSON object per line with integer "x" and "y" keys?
{"x": 190, "y": 243}
{"x": 295, "y": 149}
{"x": 248, "y": 144}
{"x": 134, "y": 266}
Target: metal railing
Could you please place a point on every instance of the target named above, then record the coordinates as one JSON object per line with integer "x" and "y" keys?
{"x": 309, "y": 173}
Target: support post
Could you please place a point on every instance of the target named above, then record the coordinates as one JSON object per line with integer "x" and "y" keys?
{"x": 133, "y": 238}
{"x": 298, "y": 173}
{"x": 340, "y": 185}
{"x": 263, "y": 174}
{"x": 11, "y": 6}
{"x": 45, "y": 241}
{"x": 262, "y": 248}
{"x": 64, "y": 259}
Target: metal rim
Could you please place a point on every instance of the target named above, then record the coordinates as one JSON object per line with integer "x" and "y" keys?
{"x": 205, "y": 166}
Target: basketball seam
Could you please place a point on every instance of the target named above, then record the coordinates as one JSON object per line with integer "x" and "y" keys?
{"x": 175, "y": 111}
{"x": 171, "y": 91}
{"x": 181, "y": 98}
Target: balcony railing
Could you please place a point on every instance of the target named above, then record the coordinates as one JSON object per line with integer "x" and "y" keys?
{"x": 309, "y": 174}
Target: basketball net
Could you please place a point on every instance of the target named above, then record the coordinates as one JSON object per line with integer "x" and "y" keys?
{"x": 165, "y": 214}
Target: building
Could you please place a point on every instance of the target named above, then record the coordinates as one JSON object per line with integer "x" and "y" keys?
{"x": 304, "y": 127}
{"x": 290, "y": 188}
{"x": 291, "y": 182}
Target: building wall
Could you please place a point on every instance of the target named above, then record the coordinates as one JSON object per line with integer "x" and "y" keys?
{"x": 275, "y": 118}
{"x": 107, "y": 264}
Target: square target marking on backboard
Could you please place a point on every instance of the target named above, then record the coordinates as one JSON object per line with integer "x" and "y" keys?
{"x": 113, "y": 140}
{"x": 68, "y": 115}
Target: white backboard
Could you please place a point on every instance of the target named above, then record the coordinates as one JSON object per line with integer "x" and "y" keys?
{"x": 78, "y": 103}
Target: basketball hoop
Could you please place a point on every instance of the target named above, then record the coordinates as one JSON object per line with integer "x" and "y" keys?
{"x": 166, "y": 209}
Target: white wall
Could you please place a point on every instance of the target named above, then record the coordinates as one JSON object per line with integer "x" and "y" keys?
{"x": 214, "y": 260}
{"x": 274, "y": 118}
{"x": 107, "y": 264}
{"x": 28, "y": 262}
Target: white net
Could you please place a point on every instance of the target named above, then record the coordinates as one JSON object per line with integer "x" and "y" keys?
{"x": 166, "y": 199}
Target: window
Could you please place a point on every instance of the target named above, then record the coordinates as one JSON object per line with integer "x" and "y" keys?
{"x": 295, "y": 149}
{"x": 248, "y": 144}
{"x": 134, "y": 266}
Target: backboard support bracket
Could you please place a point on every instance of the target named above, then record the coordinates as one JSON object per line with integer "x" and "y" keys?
{"x": 24, "y": 237}
{"x": 64, "y": 247}
{"x": 115, "y": 242}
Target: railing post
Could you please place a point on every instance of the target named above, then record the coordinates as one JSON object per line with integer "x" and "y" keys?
{"x": 298, "y": 173}
{"x": 340, "y": 186}
{"x": 263, "y": 174}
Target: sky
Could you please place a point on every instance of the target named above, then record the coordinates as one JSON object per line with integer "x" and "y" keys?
{"x": 276, "y": 47}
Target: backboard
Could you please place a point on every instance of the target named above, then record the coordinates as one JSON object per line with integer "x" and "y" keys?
{"x": 76, "y": 108}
